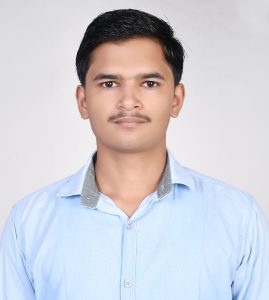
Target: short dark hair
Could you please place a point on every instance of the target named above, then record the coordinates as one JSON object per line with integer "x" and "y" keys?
{"x": 123, "y": 24}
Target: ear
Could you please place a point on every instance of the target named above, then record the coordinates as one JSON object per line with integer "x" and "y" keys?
{"x": 178, "y": 100}
{"x": 81, "y": 101}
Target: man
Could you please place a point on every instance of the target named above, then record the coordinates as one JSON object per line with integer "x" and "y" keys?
{"x": 133, "y": 223}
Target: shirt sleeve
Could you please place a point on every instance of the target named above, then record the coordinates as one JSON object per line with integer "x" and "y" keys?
{"x": 252, "y": 275}
{"x": 14, "y": 281}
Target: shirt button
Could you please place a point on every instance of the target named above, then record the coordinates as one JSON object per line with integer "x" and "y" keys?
{"x": 127, "y": 283}
{"x": 130, "y": 226}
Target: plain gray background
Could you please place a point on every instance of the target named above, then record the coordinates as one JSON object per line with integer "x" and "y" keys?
{"x": 222, "y": 130}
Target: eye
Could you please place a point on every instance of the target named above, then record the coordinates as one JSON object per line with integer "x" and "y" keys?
{"x": 107, "y": 84}
{"x": 150, "y": 83}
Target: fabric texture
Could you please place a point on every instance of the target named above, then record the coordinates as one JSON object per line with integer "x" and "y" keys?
{"x": 194, "y": 238}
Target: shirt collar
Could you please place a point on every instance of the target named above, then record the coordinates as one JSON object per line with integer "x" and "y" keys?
{"x": 83, "y": 182}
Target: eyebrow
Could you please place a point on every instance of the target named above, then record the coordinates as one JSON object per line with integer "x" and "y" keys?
{"x": 140, "y": 75}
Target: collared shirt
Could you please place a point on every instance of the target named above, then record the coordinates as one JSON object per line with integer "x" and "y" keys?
{"x": 194, "y": 238}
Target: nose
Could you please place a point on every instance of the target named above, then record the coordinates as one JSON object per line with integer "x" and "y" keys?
{"x": 129, "y": 100}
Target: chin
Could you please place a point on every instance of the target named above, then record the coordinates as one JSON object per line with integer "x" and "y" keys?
{"x": 129, "y": 148}
{"x": 126, "y": 147}
{"x": 131, "y": 145}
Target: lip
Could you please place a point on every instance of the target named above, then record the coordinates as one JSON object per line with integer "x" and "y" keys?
{"x": 129, "y": 122}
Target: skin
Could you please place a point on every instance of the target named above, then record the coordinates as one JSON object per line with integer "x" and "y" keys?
{"x": 135, "y": 152}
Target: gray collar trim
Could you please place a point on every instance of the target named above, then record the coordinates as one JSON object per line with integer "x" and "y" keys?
{"x": 90, "y": 194}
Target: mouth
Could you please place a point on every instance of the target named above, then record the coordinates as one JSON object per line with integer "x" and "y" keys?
{"x": 129, "y": 122}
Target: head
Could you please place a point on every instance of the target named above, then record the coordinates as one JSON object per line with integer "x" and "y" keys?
{"x": 129, "y": 65}
{"x": 122, "y": 24}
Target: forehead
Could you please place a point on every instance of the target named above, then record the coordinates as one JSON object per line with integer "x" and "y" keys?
{"x": 132, "y": 55}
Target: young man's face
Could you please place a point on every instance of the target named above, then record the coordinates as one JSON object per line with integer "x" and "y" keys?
{"x": 129, "y": 95}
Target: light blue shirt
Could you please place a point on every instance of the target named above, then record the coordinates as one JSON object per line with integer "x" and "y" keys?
{"x": 194, "y": 238}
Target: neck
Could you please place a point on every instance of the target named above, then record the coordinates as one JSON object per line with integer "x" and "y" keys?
{"x": 129, "y": 176}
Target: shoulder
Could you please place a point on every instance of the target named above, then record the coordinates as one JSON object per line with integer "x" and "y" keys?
{"x": 222, "y": 198}
{"x": 209, "y": 190}
{"x": 205, "y": 183}
{"x": 47, "y": 199}
{"x": 40, "y": 201}
{"x": 34, "y": 212}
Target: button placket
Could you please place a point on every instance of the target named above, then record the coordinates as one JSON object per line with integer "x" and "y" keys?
{"x": 128, "y": 261}
{"x": 127, "y": 283}
{"x": 129, "y": 226}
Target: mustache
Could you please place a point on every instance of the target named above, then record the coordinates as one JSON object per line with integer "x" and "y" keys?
{"x": 133, "y": 115}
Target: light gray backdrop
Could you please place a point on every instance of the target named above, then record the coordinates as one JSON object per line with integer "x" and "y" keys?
{"x": 222, "y": 130}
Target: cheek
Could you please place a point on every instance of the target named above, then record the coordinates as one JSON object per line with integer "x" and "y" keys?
{"x": 161, "y": 113}
{"x": 98, "y": 105}
{"x": 160, "y": 107}
{"x": 99, "y": 99}
{"x": 98, "y": 117}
